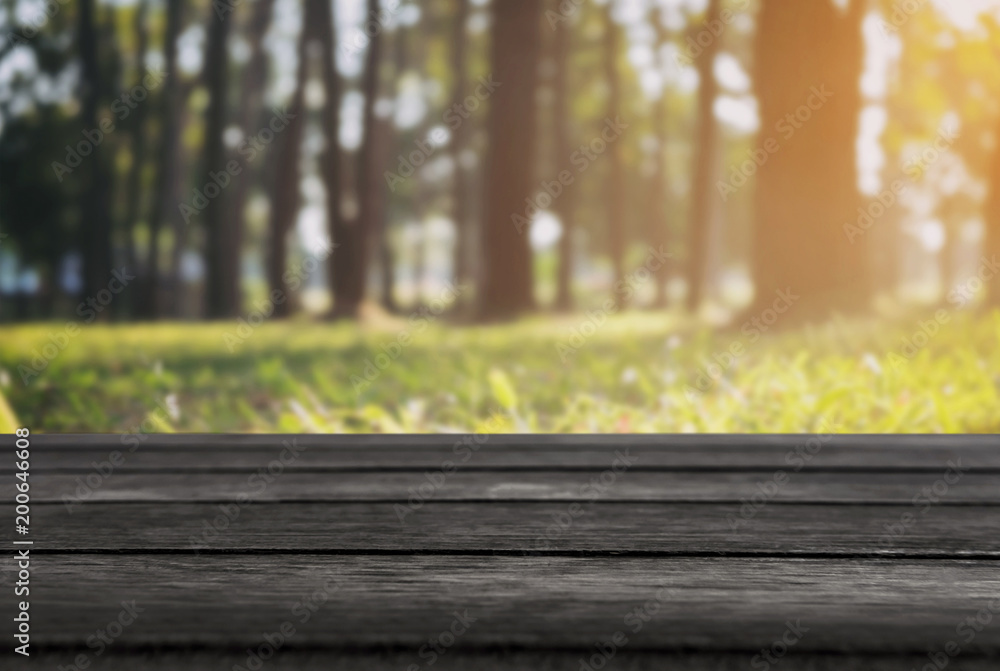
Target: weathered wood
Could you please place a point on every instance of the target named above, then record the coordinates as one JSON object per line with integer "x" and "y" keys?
{"x": 572, "y": 441}
{"x": 418, "y": 452}
{"x": 514, "y": 485}
{"x": 501, "y": 538}
{"x": 521, "y": 527}
{"x": 848, "y": 605}
{"x": 492, "y": 659}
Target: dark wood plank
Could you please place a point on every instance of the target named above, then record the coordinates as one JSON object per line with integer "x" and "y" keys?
{"x": 507, "y": 485}
{"x": 520, "y": 527}
{"x": 457, "y": 659}
{"x": 494, "y": 540}
{"x": 548, "y": 441}
{"x": 418, "y": 452}
{"x": 851, "y": 605}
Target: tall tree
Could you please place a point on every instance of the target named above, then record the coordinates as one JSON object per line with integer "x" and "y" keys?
{"x": 138, "y": 132}
{"x": 460, "y": 184}
{"x": 618, "y": 230}
{"x": 351, "y": 271}
{"x": 561, "y": 147}
{"x": 165, "y": 202}
{"x": 703, "y": 190}
{"x": 424, "y": 190}
{"x": 809, "y": 62}
{"x": 330, "y": 160}
{"x": 95, "y": 228}
{"x": 992, "y": 217}
{"x": 508, "y": 278}
{"x": 251, "y": 110}
{"x": 222, "y": 252}
{"x": 286, "y": 197}
{"x": 386, "y": 137}
{"x": 658, "y": 234}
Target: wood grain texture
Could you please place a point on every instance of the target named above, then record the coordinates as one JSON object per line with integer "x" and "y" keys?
{"x": 499, "y": 659}
{"x": 682, "y": 441}
{"x": 512, "y": 485}
{"x": 853, "y": 605}
{"x": 418, "y": 452}
{"x": 519, "y": 527}
{"x": 525, "y": 537}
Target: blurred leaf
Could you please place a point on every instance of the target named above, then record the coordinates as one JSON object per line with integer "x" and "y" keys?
{"x": 503, "y": 390}
{"x": 8, "y": 422}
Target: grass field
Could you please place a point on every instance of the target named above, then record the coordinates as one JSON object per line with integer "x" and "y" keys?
{"x": 639, "y": 372}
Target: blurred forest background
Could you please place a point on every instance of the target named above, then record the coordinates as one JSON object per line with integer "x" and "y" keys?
{"x": 389, "y": 215}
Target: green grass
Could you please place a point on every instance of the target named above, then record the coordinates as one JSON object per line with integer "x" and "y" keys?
{"x": 637, "y": 373}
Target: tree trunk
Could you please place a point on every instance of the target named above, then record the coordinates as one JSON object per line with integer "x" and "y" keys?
{"x": 388, "y": 137}
{"x": 330, "y": 167}
{"x": 460, "y": 184}
{"x": 809, "y": 54}
{"x": 703, "y": 190}
{"x": 508, "y": 277}
{"x": 566, "y": 203}
{"x": 378, "y": 212}
{"x": 352, "y": 271}
{"x": 991, "y": 245}
{"x": 251, "y": 108}
{"x": 617, "y": 225}
{"x": 659, "y": 234}
{"x": 164, "y": 206}
{"x": 286, "y": 198}
{"x": 95, "y": 226}
{"x": 134, "y": 188}
{"x": 222, "y": 245}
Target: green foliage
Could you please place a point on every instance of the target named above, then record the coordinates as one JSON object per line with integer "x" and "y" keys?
{"x": 640, "y": 372}
{"x": 8, "y": 422}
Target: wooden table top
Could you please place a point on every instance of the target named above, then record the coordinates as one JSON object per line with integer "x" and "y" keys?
{"x": 511, "y": 552}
